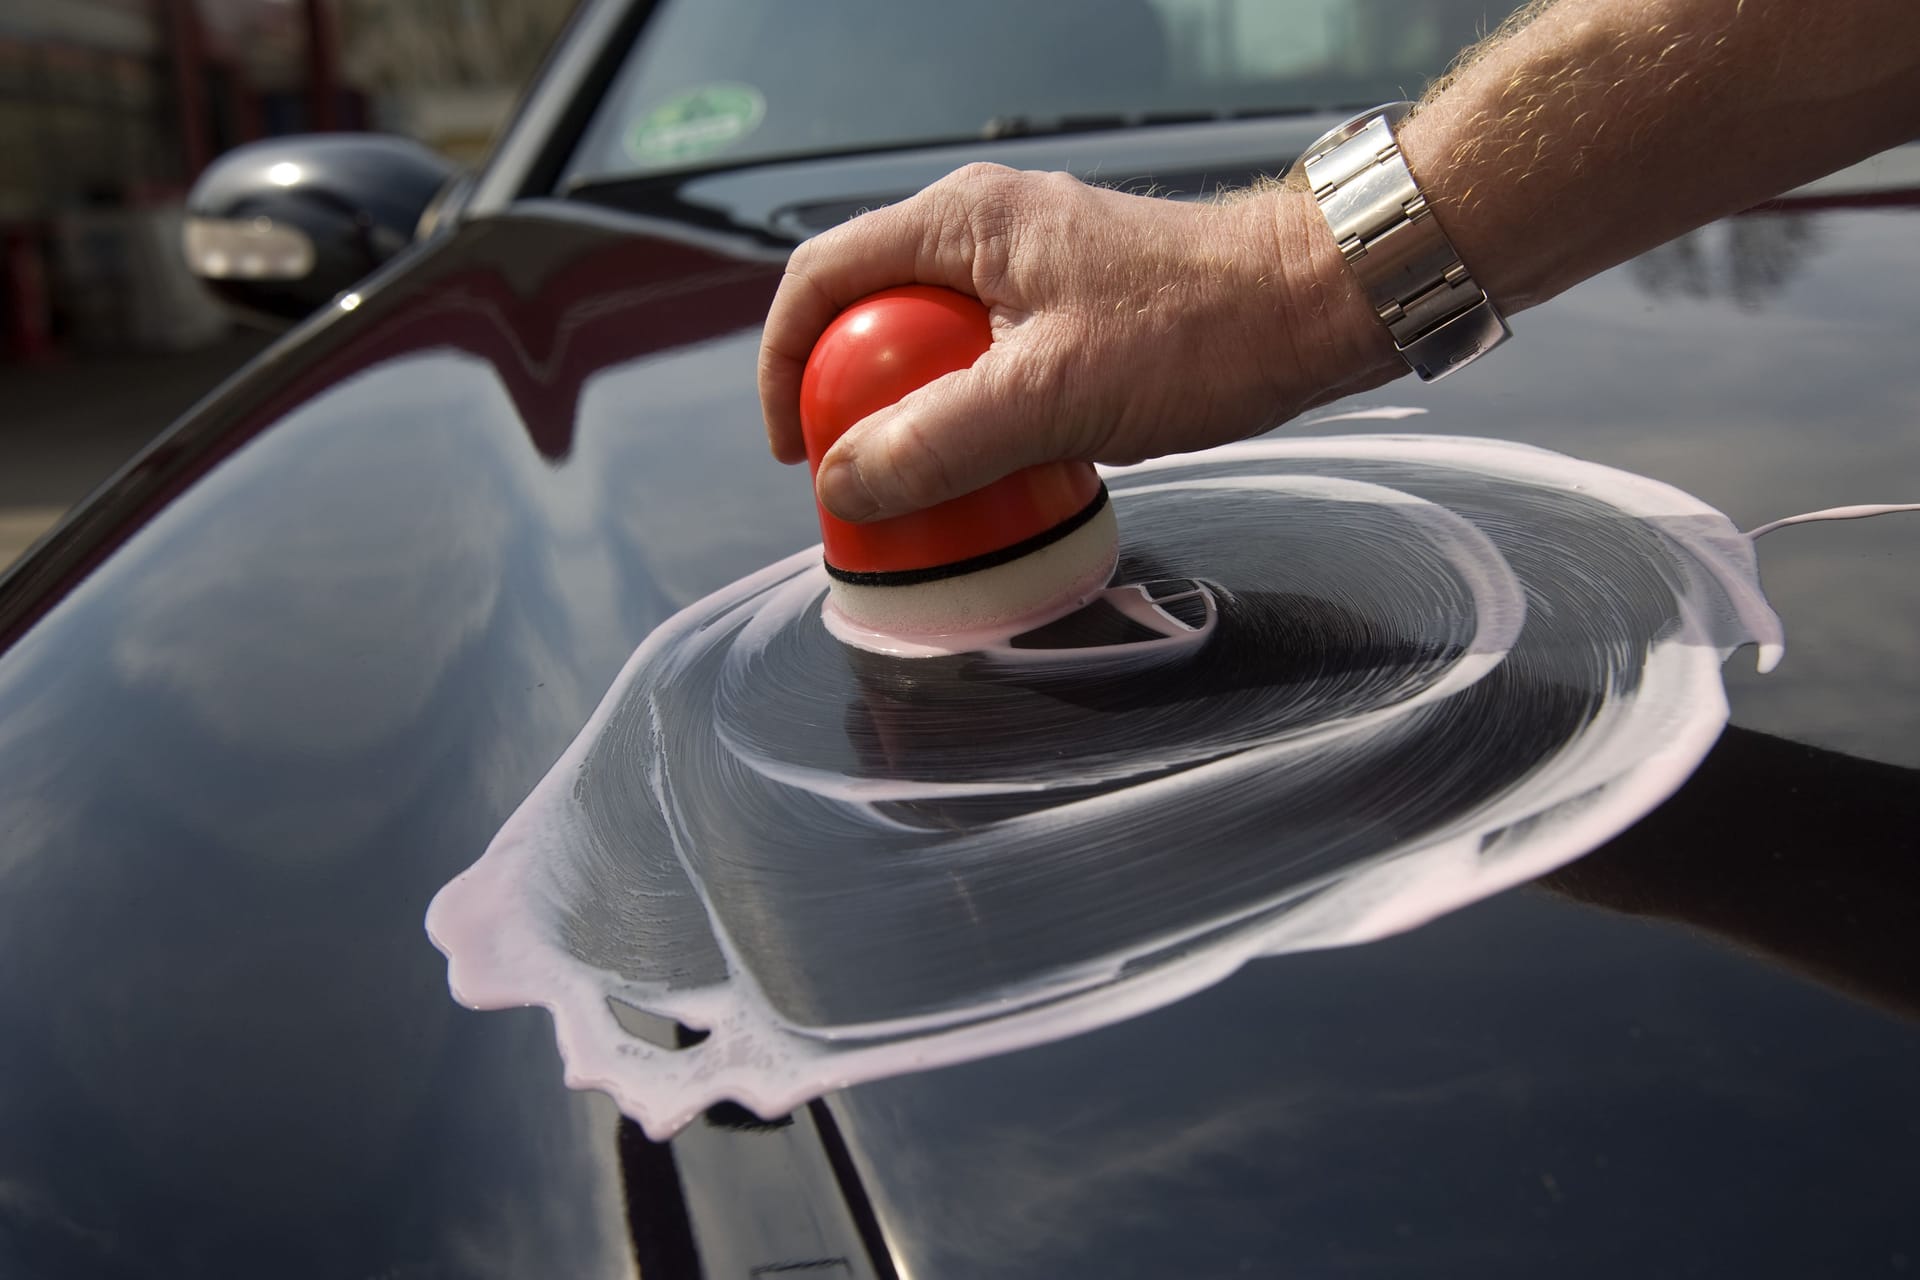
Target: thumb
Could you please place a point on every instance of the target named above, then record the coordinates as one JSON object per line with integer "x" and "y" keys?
{"x": 952, "y": 436}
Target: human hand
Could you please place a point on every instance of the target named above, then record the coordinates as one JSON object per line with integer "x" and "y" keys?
{"x": 1124, "y": 327}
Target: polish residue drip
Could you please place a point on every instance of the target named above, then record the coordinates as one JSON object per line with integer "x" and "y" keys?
{"x": 1363, "y": 681}
{"x": 1865, "y": 512}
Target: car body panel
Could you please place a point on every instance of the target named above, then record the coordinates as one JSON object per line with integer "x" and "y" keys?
{"x": 1539, "y": 1084}
{"x": 290, "y": 670}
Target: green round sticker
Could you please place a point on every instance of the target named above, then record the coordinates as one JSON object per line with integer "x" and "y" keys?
{"x": 696, "y": 123}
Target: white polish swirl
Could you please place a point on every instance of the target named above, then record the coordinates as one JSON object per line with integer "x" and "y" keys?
{"x": 1440, "y": 667}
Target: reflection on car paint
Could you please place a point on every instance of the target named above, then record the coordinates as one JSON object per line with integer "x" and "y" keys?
{"x": 1435, "y": 667}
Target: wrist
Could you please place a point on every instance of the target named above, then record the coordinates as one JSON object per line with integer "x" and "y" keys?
{"x": 1442, "y": 145}
{"x": 1339, "y": 346}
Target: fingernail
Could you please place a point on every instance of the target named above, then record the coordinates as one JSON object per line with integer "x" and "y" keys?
{"x": 842, "y": 490}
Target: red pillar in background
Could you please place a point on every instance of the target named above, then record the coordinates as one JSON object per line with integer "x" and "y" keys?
{"x": 189, "y": 81}
{"x": 28, "y": 325}
{"x": 323, "y": 78}
{"x": 248, "y": 126}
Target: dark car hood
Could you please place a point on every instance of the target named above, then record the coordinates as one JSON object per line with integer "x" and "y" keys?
{"x": 287, "y": 674}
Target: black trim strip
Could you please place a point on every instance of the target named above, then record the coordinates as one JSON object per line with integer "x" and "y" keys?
{"x": 658, "y": 1224}
{"x": 865, "y": 1220}
{"x": 973, "y": 564}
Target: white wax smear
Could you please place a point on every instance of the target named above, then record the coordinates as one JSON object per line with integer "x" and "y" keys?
{"x": 1863, "y": 512}
{"x": 1430, "y": 668}
{"x": 1366, "y": 413}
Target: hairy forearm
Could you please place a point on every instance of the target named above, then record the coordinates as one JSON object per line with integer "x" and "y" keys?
{"x": 1592, "y": 130}
{"x": 1127, "y": 327}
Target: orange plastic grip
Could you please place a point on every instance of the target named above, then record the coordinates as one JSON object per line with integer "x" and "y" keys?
{"x": 875, "y": 352}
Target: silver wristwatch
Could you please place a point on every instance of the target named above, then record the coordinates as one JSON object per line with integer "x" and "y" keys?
{"x": 1440, "y": 319}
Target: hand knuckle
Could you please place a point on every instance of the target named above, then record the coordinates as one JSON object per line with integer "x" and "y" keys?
{"x": 981, "y": 174}
{"x": 993, "y": 225}
{"x": 1059, "y": 182}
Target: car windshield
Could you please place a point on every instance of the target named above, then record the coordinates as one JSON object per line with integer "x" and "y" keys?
{"x": 721, "y": 82}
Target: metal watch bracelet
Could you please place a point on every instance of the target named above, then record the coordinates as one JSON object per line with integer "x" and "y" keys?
{"x": 1441, "y": 320}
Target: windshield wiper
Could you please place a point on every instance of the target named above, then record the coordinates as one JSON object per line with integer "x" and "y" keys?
{"x": 1096, "y": 122}
{"x": 662, "y": 192}
{"x": 606, "y": 186}
{"x": 591, "y": 185}
{"x": 663, "y": 196}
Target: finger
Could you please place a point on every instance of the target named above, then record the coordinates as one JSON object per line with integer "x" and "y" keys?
{"x": 794, "y": 324}
{"x": 913, "y": 242}
{"x": 950, "y": 437}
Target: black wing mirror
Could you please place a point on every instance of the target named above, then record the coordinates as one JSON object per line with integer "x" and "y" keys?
{"x": 281, "y": 227}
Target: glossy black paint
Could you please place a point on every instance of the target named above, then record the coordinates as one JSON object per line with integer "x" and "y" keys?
{"x": 223, "y": 1029}
{"x": 1631, "y": 1069}
{"x": 1693, "y": 1053}
{"x": 289, "y": 671}
{"x": 357, "y": 197}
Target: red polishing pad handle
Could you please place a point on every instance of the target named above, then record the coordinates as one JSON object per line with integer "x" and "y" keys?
{"x": 877, "y": 351}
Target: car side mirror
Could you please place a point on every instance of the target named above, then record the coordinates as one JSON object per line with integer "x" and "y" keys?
{"x": 283, "y": 226}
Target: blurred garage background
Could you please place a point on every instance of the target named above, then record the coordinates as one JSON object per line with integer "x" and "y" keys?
{"x": 108, "y": 111}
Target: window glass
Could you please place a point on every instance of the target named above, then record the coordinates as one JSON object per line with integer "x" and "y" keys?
{"x": 722, "y": 81}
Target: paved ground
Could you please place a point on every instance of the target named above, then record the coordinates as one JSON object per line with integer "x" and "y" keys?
{"x": 67, "y": 425}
